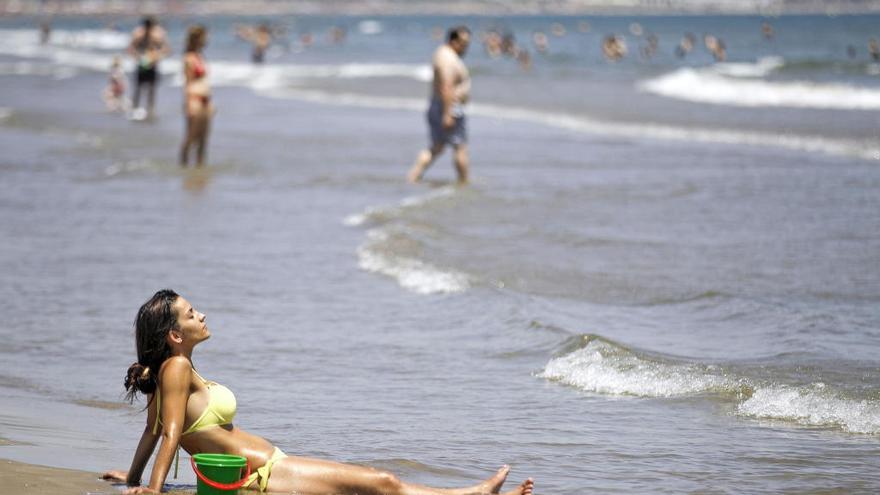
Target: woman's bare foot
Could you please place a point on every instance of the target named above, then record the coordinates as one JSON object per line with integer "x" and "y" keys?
{"x": 525, "y": 488}
{"x": 493, "y": 483}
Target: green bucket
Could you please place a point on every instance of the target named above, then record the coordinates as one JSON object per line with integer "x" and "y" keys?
{"x": 219, "y": 474}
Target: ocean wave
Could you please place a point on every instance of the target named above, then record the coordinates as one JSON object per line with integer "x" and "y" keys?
{"x": 375, "y": 214}
{"x": 582, "y": 124}
{"x": 813, "y": 406}
{"x": 102, "y": 39}
{"x": 27, "y": 68}
{"x": 389, "y": 251}
{"x": 412, "y": 274}
{"x": 277, "y": 76}
{"x": 594, "y": 364}
{"x": 723, "y": 85}
{"x": 604, "y": 367}
{"x": 762, "y": 68}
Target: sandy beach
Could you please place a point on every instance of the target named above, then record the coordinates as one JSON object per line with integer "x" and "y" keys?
{"x": 20, "y": 478}
{"x": 16, "y": 477}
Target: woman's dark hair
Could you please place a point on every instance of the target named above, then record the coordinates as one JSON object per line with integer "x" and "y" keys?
{"x": 194, "y": 38}
{"x": 154, "y": 320}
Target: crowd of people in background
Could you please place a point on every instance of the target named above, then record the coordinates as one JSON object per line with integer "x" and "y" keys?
{"x": 149, "y": 46}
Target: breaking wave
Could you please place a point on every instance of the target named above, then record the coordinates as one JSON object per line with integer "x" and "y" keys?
{"x": 601, "y": 366}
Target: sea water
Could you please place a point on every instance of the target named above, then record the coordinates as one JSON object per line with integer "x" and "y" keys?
{"x": 664, "y": 276}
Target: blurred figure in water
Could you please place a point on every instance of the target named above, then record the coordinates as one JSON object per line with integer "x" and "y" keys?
{"x": 197, "y": 106}
{"x": 148, "y": 46}
{"x": 524, "y": 59}
{"x": 508, "y": 44}
{"x": 260, "y": 38}
{"x": 613, "y": 47}
{"x": 685, "y": 45}
{"x": 450, "y": 91}
{"x": 716, "y": 47}
{"x": 492, "y": 43}
{"x": 336, "y": 35}
{"x": 767, "y": 31}
{"x": 114, "y": 93}
{"x": 851, "y": 51}
{"x": 541, "y": 42}
{"x": 650, "y": 47}
{"x": 45, "y": 32}
{"x": 874, "y": 49}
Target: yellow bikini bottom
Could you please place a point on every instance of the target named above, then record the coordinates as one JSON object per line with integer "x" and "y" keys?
{"x": 262, "y": 474}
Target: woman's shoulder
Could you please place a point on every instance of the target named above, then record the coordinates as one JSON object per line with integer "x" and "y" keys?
{"x": 176, "y": 366}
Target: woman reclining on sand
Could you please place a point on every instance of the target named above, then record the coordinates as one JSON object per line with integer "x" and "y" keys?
{"x": 185, "y": 410}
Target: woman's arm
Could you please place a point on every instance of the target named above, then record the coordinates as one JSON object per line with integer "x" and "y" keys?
{"x": 174, "y": 382}
{"x": 142, "y": 454}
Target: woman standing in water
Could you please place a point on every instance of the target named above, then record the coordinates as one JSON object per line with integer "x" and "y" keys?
{"x": 197, "y": 106}
{"x": 185, "y": 410}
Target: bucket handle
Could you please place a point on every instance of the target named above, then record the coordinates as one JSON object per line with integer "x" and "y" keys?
{"x": 222, "y": 486}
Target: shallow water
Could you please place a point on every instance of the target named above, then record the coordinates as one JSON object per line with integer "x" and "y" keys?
{"x": 637, "y": 293}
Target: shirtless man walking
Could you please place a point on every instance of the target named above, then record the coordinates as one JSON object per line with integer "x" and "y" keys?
{"x": 450, "y": 91}
{"x": 148, "y": 46}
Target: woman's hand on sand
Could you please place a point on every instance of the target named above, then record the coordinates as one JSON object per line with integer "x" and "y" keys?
{"x": 115, "y": 475}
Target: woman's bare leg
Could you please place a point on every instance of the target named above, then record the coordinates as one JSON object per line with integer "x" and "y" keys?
{"x": 203, "y": 121}
{"x": 188, "y": 135}
{"x": 312, "y": 476}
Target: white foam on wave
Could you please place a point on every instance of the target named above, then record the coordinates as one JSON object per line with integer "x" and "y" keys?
{"x": 378, "y": 254}
{"x": 412, "y": 274}
{"x": 603, "y": 368}
{"x": 385, "y": 212}
{"x": 5, "y": 113}
{"x": 733, "y": 86}
{"x": 103, "y": 39}
{"x": 762, "y": 68}
{"x": 576, "y": 123}
{"x": 813, "y": 406}
{"x": 276, "y": 76}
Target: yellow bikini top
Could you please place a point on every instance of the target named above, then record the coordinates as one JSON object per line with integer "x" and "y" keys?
{"x": 220, "y": 410}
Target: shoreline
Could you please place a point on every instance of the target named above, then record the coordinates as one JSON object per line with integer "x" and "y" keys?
{"x": 19, "y": 477}
{"x": 437, "y": 7}
{"x": 23, "y": 478}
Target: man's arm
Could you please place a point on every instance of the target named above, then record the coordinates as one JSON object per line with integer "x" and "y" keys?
{"x": 445, "y": 71}
{"x": 136, "y": 36}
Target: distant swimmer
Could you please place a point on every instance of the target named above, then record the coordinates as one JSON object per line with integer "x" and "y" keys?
{"x": 45, "y": 32}
{"x": 874, "y": 49}
{"x": 767, "y": 31}
{"x": 851, "y": 51}
{"x": 336, "y": 35}
{"x": 650, "y": 47}
{"x": 259, "y": 37}
{"x": 613, "y": 47}
{"x": 541, "y": 42}
{"x": 198, "y": 108}
{"x": 450, "y": 91}
{"x": 716, "y": 47}
{"x": 114, "y": 93}
{"x": 685, "y": 45}
{"x": 148, "y": 46}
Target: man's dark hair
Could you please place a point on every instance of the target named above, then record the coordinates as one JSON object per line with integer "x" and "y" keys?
{"x": 455, "y": 33}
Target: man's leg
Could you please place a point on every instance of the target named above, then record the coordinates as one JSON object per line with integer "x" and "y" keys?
{"x": 423, "y": 161}
{"x": 462, "y": 162}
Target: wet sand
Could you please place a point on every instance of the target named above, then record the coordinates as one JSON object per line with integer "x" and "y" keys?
{"x": 18, "y": 478}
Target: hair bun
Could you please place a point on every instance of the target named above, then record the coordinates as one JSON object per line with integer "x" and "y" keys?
{"x": 137, "y": 373}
